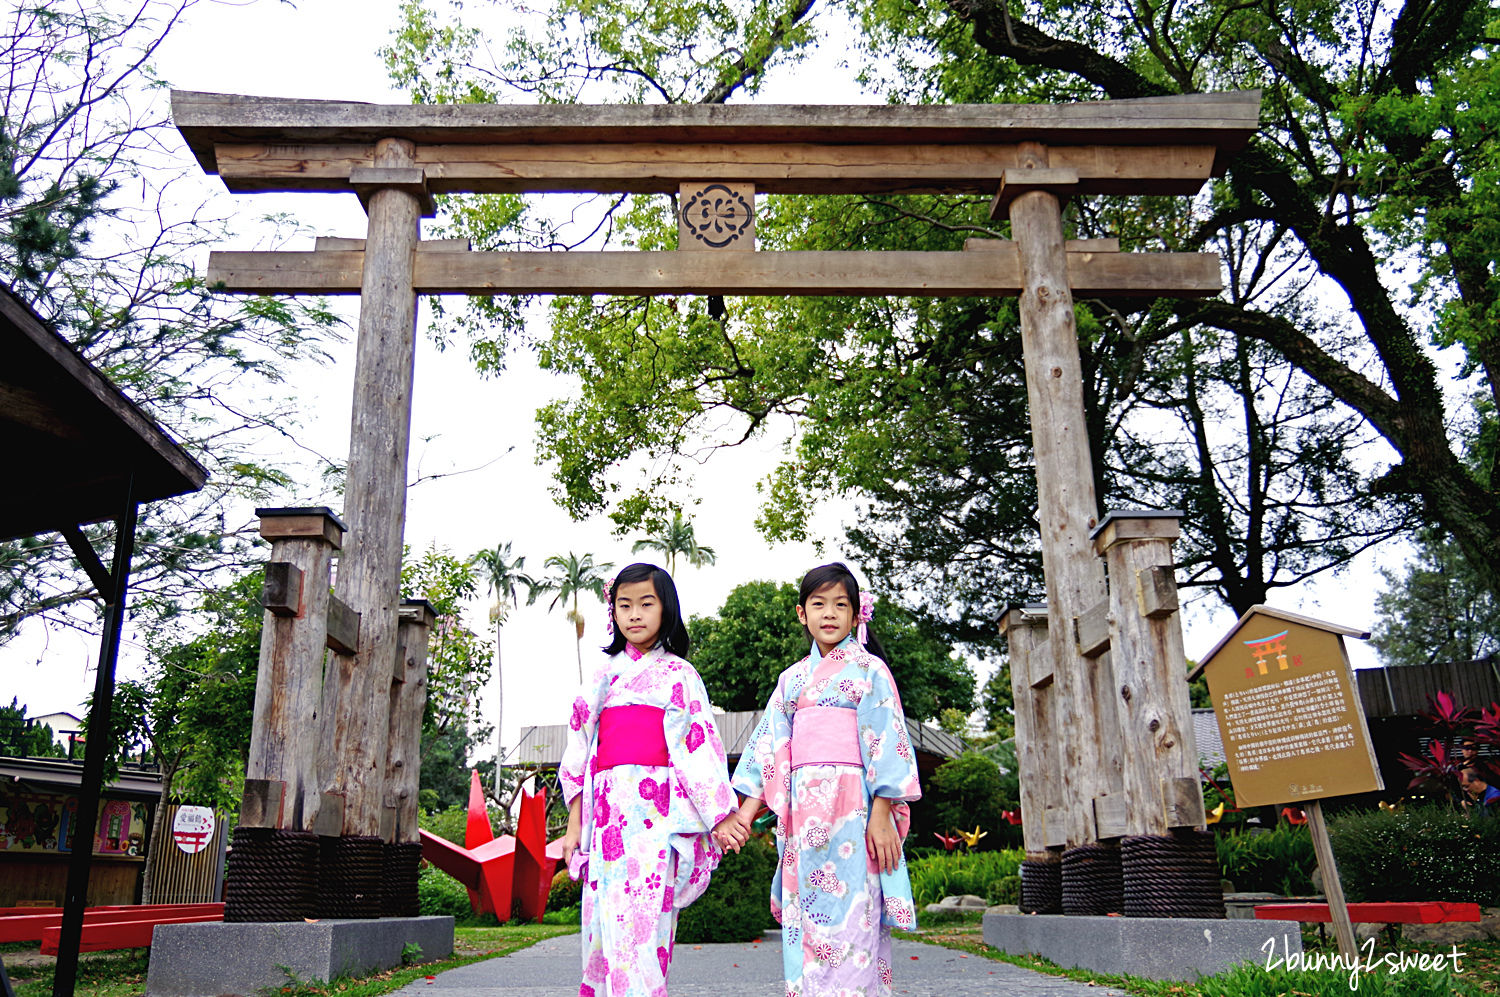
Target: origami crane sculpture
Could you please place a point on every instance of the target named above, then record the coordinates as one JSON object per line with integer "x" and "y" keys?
{"x": 503, "y": 874}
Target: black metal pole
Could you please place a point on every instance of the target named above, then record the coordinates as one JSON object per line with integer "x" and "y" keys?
{"x": 94, "y": 752}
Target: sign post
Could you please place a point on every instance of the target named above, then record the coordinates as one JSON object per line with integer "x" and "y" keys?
{"x": 1292, "y": 726}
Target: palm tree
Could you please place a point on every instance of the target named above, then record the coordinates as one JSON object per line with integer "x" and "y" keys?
{"x": 571, "y": 575}
{"x": 676, "y": 538}
{"x": 504, "y": 576}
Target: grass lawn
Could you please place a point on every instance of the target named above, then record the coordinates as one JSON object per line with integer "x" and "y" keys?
{"x": 123, "y": 974}
{"x": 1480, "y": 965}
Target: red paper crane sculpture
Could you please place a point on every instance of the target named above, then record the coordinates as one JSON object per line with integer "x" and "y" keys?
{"x": 503, "y": 873}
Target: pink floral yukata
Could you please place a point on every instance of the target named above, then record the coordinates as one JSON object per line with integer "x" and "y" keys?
{"x": 645, "y": 828}
{"x": 835, "y": 906}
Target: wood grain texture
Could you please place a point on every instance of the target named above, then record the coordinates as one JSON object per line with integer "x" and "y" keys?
{"x": 408, "y": 697}
{"x": 874, "y": 274}
{"x": 356, "y": 703}
{"x": 206, "y": 120}
{"x": 288, "y": 685}
{"x": 1067, "y": 508}
{"x": 1160, "y": 755}
{"x": 1025, "y": 631}
{"x": 773, "y": 168}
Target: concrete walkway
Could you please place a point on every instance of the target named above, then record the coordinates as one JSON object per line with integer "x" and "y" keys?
{"x": 551, "y": 968}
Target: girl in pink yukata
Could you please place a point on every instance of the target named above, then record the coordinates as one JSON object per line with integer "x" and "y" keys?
{"x": 646, "y": 781}
{"x": 832, "y": 758}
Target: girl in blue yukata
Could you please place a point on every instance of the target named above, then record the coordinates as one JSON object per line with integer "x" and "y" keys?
{"x": 647, "y": 786}
{"x": 831, "y": 757}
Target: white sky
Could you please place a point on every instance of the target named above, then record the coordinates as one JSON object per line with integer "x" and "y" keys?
{"x": 326, "y": 49}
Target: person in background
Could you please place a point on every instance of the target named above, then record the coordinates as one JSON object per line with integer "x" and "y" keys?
{"x": 1481, "y": 793}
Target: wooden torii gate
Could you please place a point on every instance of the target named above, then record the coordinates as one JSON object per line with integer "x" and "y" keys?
{"x": 1031, "y": 158}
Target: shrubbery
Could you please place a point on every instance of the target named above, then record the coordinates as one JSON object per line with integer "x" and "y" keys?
{"x": 440, "y": 894}
{"x": 1418, "y": 853}
{"x": 736, "y": 907}
{"x": 983, "y": 874}
{"x": 565, "y": 891}
{"x": 964, "y": 791}
{"x": 450, "y": 824}
{"x": 1276, "y": 861}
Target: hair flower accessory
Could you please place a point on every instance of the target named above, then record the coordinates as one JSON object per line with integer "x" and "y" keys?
{"x": 866, "y": 613}
{"x": 609, "y": 608}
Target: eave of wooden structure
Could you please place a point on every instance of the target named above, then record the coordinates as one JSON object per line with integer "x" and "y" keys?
{"x": 1165, "y": 145}
{"x": 80, "y": 438}
{"x": 1277, "y": 614}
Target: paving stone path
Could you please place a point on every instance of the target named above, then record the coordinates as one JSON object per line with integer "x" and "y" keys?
{"x": 550, "y": 968}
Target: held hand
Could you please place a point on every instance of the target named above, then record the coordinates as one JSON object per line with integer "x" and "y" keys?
{"x": 731, "y": 832}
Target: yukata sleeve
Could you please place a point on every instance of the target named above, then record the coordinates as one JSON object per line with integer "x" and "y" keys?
{"x": 885, "y": 747}
{"x": 699, "y": 764}
{"x": 891, "y": 772}
{"x": 583, "y": 722}
{"x": 765, "y": 768}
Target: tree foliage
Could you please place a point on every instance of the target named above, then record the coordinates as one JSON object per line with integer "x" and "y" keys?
{"x": 100, "y": 223}
{"x": 741, "y": 651}
{"x": 458, "y": 662}
{"x": 1438, "y": 609}
{"x": 21, "y": 738}
{"x": 966, "y": 791}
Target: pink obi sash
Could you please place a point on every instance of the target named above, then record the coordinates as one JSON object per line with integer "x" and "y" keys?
{"x": 632, "y": 735}
{"x": 825, "y": 735}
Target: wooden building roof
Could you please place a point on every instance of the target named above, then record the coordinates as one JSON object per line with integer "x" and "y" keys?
{"x": 72, "y": 439}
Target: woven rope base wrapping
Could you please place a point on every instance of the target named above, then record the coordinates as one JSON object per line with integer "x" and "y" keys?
{"x": 1173, "y": 875}
{"x": 1041, "y": 887}
{"x": 349, "y": 873}
{"x": 1092, "y": 883}
{"x": 398, "y": 879}
{"x": 271, "y": 875}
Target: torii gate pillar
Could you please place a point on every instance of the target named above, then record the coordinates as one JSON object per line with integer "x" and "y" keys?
{"x": 1067, "y": 504}
{"x": 356, "y": 692}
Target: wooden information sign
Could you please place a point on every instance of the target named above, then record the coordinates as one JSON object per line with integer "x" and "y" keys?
{"x": 1288, "y": 711}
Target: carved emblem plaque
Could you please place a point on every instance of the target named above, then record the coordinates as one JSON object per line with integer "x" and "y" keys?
{"x": 716, "y": 216}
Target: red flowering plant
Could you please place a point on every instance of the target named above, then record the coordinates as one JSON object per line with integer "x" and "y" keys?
{"x": 1436, "y": 771}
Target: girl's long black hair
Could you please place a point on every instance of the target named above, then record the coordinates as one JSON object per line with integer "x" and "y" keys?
{"x": 838, "y": 573}
{"x": 674, "y": 635}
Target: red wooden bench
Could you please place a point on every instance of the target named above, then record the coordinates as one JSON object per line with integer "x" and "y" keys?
{"x": 103, "y": 927}
{"x": 102, "y": 936}
{"x": 1399, "y": 912}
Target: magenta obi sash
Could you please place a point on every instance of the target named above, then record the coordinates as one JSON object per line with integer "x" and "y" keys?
{"x": 632, "y": 735}
{"x": 825, "y": 735}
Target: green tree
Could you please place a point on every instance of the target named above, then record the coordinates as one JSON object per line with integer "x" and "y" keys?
{"x": 194, "y": 707}
{"x": 1439, "y": 609}
{"x": 458, "y": 660}
{"x": 99, "y": 234}
{"x": 504, "y": 575}
{"x": 571, "y": 576}
{"x": 999, "y": 704}
{"x": 21, "y": 738}
{"x": 676, "y": 537}
{"x": 740, "y": 650}
{"x": 755, "y": 636}
{"x": 966, "y": 791}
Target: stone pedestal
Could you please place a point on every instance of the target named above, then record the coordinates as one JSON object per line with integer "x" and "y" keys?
{"x": 1158, "y": 948}
{"x": 218, "y": 959}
